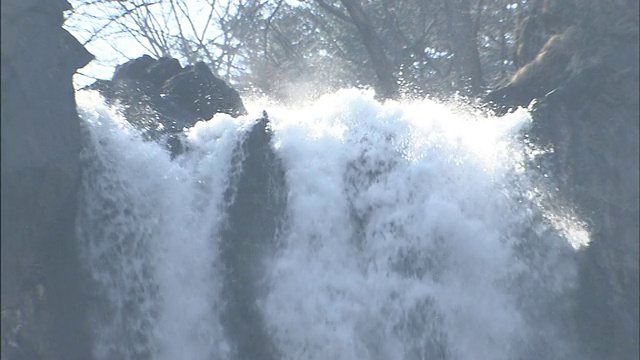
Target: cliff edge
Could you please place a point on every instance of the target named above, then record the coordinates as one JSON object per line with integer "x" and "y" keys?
{"x": 41, "y": 296}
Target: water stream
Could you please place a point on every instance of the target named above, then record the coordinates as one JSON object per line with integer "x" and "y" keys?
{"x": 404, "y": 230}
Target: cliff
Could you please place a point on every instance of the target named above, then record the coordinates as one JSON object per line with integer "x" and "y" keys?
{"x": 583, "y": 75}
{"x": 41, "y": 297}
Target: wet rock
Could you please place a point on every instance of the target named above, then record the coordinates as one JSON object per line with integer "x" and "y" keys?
{"x": 161, "y": 98}
{"x": 255, "y": 219}
{"x": 586, "y": 86}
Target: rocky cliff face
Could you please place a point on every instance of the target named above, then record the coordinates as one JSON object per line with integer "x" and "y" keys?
{"x": 41, "y": 301}
{"x": 584, "y": 77}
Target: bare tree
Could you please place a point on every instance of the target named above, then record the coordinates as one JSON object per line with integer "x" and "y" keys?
{"x": 384, "y": 69}
{"x": 187, "y": 30}
{"x": 466, "y": 58}
{"x": 396, "y": 46}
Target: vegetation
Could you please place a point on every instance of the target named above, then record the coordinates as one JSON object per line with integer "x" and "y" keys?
{"x": 395, "y": 46}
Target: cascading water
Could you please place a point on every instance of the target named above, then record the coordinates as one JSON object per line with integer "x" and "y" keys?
{"x": 404, "y": 230}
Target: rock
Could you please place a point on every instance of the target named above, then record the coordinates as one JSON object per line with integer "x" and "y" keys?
{"x": 255, "y": 216}
{"x": 585, "y": 81}
{"x": 136, "y": 69}
{"x": 595, "y": 167}
{"x": 199, "y": 91}
{"x": 586, "y": 36}
{"x": 42, "y": 300}
{"x": 160, "y": 97}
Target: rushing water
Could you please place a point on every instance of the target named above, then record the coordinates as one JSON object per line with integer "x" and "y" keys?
{"x": 410, "y": 230}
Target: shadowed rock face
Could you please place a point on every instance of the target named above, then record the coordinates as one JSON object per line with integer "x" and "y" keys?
{"x": 254, "y": 221}
{"x": 563, "y": 46}
{"x": 160, "y": 97}
{"x": 42, "y": 305}
{"x": 585, "y": 82}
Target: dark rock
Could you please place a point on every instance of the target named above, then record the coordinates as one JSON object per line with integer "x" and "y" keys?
{"x": 586, "y": 86}
{"x": 254, "y": 220}
{"x": 161, "y": 97}
{"x": 543, "y": 74}
{"x": 163, "y": 69}
{"x": 199, "y": 91}
{"x": 42, "y": 301}
{"x": 595, "y": 167}
{"x": 135, "y": 69}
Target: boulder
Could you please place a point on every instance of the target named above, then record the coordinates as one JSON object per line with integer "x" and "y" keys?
{"x": 161, "y": 97}
{"x": 42, "y": 299}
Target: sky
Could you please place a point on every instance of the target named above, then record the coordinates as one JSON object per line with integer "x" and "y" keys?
{"x": 114, "y": 47}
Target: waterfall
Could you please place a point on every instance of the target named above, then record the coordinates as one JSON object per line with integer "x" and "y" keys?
{"x": 337, "y": 229}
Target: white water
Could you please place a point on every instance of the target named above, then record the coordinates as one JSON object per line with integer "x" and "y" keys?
{"x": 411, "y": 233}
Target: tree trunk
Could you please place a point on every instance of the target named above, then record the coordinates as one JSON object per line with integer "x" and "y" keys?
{"x": 387, "y": 85}
{"x": 466, "y": 59}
